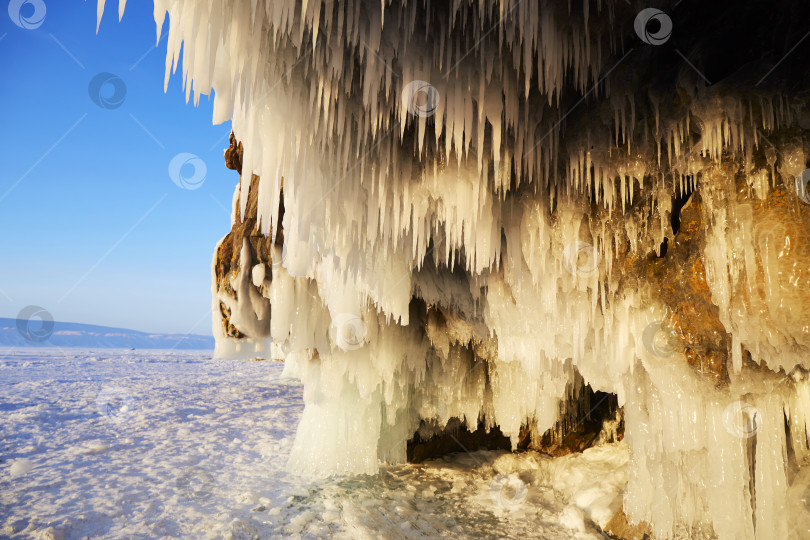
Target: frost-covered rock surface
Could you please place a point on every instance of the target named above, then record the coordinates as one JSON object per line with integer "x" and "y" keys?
{"x": 470, "y": 208}
{"x": 120, "y": 444}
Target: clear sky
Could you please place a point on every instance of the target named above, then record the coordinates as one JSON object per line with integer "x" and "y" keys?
{"x": 94, "y": 228}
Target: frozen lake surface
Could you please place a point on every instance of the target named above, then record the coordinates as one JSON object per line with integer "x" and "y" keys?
{"x": 154, "y": 444}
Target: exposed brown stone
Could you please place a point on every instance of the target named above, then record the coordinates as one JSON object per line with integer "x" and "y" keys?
{"x": 230, "y": 330}
{"x": 681, "y": 276}
{"x": 233, "y": 155}
{"x": 244, "y": 227}
{"x": 618, "y": 527}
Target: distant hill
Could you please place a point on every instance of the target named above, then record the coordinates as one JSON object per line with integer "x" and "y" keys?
{"x": 67, "y": 334}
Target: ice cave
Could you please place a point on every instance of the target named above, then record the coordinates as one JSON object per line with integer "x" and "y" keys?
{"x": 533, "y": 224}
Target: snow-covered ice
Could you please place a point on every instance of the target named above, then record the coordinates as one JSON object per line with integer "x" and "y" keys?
{"x": 150, "y": 444}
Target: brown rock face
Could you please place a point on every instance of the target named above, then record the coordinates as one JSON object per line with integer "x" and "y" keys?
{"x": 233, "y": 155}
{"x": 778, "y": 264}
{"x": 619, "y": 527}
{"x": 244, "y": 227}
{"x": 681, "y": 277}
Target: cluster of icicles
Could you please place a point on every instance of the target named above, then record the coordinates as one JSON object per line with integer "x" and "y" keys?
{"x": 447, "y": 166}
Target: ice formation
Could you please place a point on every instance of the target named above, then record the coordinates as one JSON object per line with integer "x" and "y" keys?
{"x": 467, "y": 208}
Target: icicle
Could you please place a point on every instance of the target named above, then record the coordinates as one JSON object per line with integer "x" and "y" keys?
{"x": 384, "y": 125}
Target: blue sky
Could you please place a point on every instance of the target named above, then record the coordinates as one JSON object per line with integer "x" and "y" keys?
{"x": 95, "y": 231}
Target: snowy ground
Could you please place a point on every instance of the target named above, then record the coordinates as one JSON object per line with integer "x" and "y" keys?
{"x": 150, "y": 444}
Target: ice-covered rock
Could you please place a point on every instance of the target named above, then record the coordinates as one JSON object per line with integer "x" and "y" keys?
{"x": 488, "y": 204}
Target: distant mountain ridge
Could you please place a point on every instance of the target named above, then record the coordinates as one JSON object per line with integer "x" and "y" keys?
{"x": 67, "y": 334}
